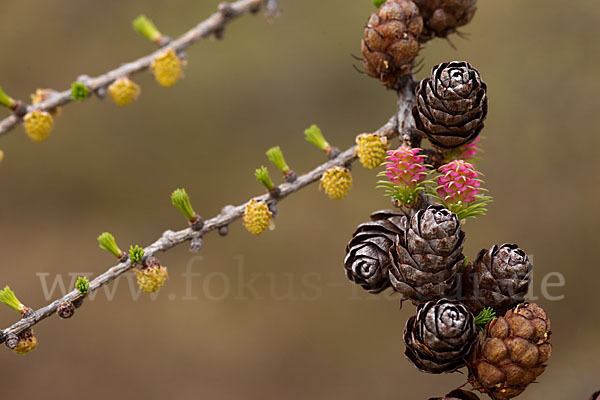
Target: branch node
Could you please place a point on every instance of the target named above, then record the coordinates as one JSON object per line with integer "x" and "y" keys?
{"x": 272, "y": 10}
{"x": 182, "y": 55}
{"x": 101, "y": 92}
{"x": 226, "y": 10}
{"x": 19, "y": 109}
{"x": 197, "y": 224}
{"x": 223, "y": 230}
{"x": 169, "y": 236}
{"x": 163, "y": 41}
{"x": 228, "y": 209}
{"x": 220, "y": 33}
{"x": 290, "y": 176}
{"x": 255, "y": 8}
{"x": 273, "y": 207}
{"x": 196, "y": 244}
{"x": 12, "y": 341}
{"x": 333, "y": 152}
{"x": 275, "y": 193}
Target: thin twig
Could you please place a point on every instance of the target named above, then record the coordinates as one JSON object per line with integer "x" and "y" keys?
{"x": 229, "y": 214}
{"x": 214, "y": 24}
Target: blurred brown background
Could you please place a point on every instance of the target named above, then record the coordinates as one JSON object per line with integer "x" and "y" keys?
{"x": 109, "y": 168}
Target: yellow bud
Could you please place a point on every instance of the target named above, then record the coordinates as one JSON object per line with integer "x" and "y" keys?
{"x": 151, "y": 278}
{"x": 336, "y": 182}
{"x": 123, "y": 91}
{"x": 371, "y": 149}
{"x": 1, "y": 155}
{"x": 167, "y": 68}
{"x": 27, "y": 342}
{"x": 257, "y": 217}
{"x": 38, "y": 125}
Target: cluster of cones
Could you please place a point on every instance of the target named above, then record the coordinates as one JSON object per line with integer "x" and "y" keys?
{"x": 421, "y": 257}
{"x": 469, "y": 314}
{"x": 394, "y": 35}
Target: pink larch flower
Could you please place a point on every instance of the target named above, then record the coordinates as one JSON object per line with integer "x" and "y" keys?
{"x": 458, "y": 183}
{"x": 404, "y": 167}
{"x": 468, "y": 151}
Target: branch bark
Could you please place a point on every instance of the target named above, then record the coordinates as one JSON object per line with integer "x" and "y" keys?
{"x": 215, "y": 24}
{"x": 401, "y": 124}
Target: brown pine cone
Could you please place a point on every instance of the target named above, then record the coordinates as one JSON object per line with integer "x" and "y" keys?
{"x": 440, "y": 336}
{"x": 513, "y": 352}
{"x": 451, "y": 105}
{"x": 499, "y": 278}
{"x": 595, "y": 396}
{"x": 367, "y": 260}
{"x": 442, "y": 17}
{"x": 391, "y": 43}
{"x": 426, "y": 260}
{"x": 458, "y": 394}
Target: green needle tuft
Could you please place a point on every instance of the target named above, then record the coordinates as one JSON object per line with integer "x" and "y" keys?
{"x": 378, "y": 3}
{"x": 82, "y": 285}
{"x": 181, "y": 200}
{"x": 315, "y": 136}
{"x": 107, "y": 242}
{"x": 136, "y": 254}
{"x": 485, "y": 316}
{"x": 79, "y": 91}
{"x": 275, "y": 155}
{"x": 7, "y": 296}
{"x": 262, "y": 175}
{"x": 6, "y": 100}
{"x": 146, "y": 27}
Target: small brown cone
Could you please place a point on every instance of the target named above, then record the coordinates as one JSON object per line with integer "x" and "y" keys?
{"x": 443, "y": 17}
{"x": 367, "y": 260}
{"x": 440, "y": 337}
{"x": 451, "y": 105}
{"x": 426, "y": 260}
{"x": 499, "y": 278}
{"x": 391, "y": 43}
{"x": 512, "y": 353}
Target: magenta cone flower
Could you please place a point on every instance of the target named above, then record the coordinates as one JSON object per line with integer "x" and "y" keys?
{"x": 406, "y": 172}
{"x": 459, "y": 189}
{"x": 404, "y": 167}
{"x": 465, "y": 152}
{"x": 458, "y": 182}
{"x": 468, "y": 151}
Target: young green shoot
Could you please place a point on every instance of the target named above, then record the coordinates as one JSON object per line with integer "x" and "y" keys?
{"x": 82, "y": 285}
{"x": 79, "y": 91}
{"x": 146, "y": 28}
{"x": 314, "y": 135}
{"x": 7, "y": 296}
{"x": 262, "y": 175}
{"x": 6, "y": 100}
{"x": 107, "y": 242}
{"x": 275, "y": 155}
{"x": 485, "y": 316}
{"x": 181, "y": 200}
{"x": 136, "y": 254}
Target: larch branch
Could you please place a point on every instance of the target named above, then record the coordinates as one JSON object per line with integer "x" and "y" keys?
{"x": 400, "y": 124}
{"x": 215, "y": 24}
